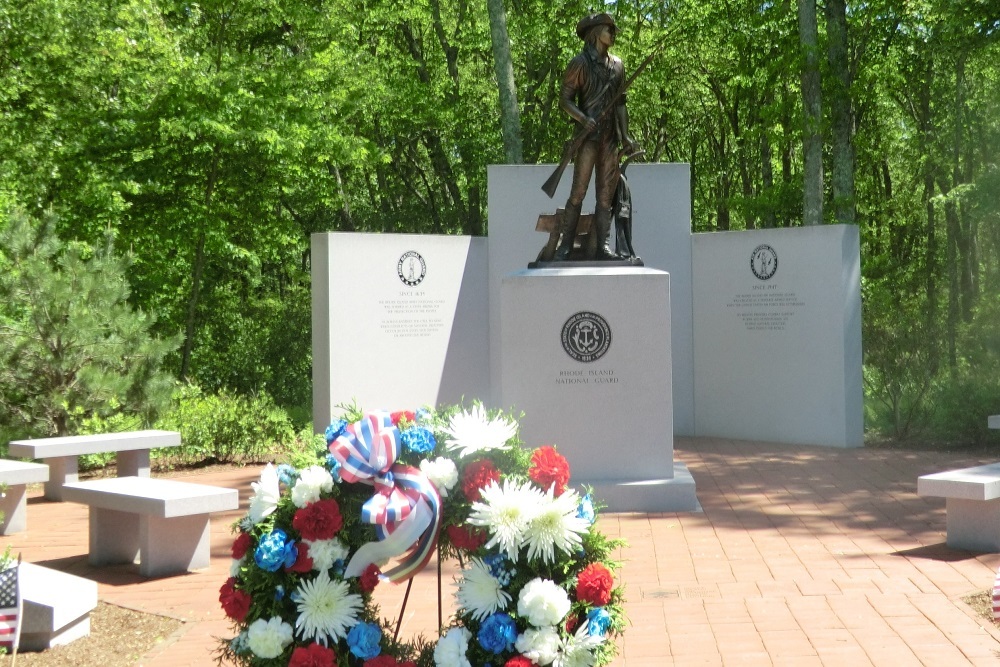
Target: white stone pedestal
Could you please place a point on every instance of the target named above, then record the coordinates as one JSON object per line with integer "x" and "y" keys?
{"x": 585, "y": 354}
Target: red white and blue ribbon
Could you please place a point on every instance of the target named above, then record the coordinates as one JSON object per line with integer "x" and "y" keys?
{"x": 406, "y": 507}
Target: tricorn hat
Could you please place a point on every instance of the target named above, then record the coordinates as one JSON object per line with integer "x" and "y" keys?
{"x": 588, "y": 22}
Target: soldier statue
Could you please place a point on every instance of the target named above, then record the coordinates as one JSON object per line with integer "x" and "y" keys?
{"x": 593, "y": 95}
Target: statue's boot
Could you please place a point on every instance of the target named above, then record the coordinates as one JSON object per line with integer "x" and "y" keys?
{"x": 602, "y": 229}
{"x": 567, "y": 232}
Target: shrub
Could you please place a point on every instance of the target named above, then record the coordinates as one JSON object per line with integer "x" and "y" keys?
{"x": 227, "y": 429}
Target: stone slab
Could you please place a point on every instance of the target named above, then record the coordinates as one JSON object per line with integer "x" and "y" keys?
{"x": 76, "y": 445}
{"x": 162, "y": 498}
{"x": 973, "y": 525}
{"x": 976, "y": 483}
{"x": 993, "y": 421}
{"x": 56, "y": 607}
{"x": 17, "y": 475}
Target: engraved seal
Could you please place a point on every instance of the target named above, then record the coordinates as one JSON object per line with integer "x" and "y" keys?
{"x": 764, "y": 262}
{"x": 411, "y": 268}
{"x": 586, "y": 336}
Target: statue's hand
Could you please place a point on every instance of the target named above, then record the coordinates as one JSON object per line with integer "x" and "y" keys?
{"x": 589, "y": 124}
{"x": 631, "y": 147}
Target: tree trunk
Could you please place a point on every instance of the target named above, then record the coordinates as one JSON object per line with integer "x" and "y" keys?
{"x": 841, "y": 114}
{"x": 510, "y": 117}
{"x": 812, "y": 131}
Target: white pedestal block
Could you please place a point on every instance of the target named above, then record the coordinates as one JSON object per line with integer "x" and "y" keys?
{"x": 585, "y": 354}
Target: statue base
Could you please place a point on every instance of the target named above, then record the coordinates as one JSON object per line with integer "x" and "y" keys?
{"x": 585, "y": 354}
{"x": 586, "y": 263}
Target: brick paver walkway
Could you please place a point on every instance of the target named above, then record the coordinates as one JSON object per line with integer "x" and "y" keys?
{"x": 802, "y": 556}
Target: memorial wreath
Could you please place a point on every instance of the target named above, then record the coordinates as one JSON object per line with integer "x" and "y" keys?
{"x": 536, "y": 584}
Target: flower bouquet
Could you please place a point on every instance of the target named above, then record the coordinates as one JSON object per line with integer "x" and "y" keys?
{"x": 390, "y": 490}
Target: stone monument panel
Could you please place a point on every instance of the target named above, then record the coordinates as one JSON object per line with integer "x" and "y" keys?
{"x": 777, "y": 322}
{"x": 399, "y": 321}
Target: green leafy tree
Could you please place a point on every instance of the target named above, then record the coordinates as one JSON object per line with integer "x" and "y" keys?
{"x": 71, "y": 347}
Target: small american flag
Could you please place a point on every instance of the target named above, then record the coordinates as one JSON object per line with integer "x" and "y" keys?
{"x": 10, "y": 608}
{"x": 996, "y": 597}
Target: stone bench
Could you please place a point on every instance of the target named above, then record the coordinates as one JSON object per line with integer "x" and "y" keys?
{"x": 164, "y": 522}
{"x": 972, "y": 506}
{"x": 17, "y": 475}
{"x": 56, "y": 607}
{"x": 61, "y": 454}
{"x": 993, "y": 421}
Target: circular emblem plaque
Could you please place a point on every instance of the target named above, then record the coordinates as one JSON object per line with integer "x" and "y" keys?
{"x": 411, "y": 268}
{"x": 586, "y": 336}
{"x": 764, "y": 261}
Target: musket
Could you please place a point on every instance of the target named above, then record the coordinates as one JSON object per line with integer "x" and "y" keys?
{"x": 572, "y": 147}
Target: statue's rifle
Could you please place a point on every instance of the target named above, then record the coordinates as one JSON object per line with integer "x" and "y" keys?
{"x": 572, "y": 147}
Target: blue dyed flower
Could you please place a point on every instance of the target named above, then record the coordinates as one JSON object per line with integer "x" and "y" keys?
{"x": 364, "y": 640}
{"x": 497, "y": 633}
{"x": 333, "y": 465}
{"x": 335, "y": 430}
{"x": 279, "y": 593}
{"x": 418, "y": 440}
{"x": 275, "y": 550}
{"x": 586, "y": 509}
{"x": 423, "y": 415}
{"x": 598, "y": 622}
{"x": 287, "y": 474}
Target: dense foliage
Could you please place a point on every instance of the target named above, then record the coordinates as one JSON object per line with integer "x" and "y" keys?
{"x": 214, "y": 137}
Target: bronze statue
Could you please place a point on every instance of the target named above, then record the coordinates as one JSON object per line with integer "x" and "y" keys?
{"x": 593, "y": 95}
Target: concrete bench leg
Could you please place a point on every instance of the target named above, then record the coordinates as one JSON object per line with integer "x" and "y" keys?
{"x": 133, "y": 463}
{"x": 15, "y": 510}
{"x": 173, "y": 545}
{"x": 114, "y": 537}
{"x": 973, "y": 525}
{"x": 62, "y": 469}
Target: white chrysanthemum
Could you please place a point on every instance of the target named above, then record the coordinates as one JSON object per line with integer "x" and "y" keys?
{"x": 556, "y": 526}
{"x": 265, "y": 494}
{"x": 236, "y": 567}
{"x": 578, "y": 650}
{"x": 267, "y": 639}
{"x": 479, "y": 592}
{"x": 475, "y": 432}
{"x": 442, "y": 473}
{"x": 543, "y": 603}
{"x": 326, "y": 609}
{"x": 451, "y": 649}
{"x": 312, "y": 481}
{"x": 325, "y": 553}
{"x": 506, "y": 512}
{"x": 540, "y": 646}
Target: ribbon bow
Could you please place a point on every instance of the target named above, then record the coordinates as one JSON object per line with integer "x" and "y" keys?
{"x": 406, "y": 508}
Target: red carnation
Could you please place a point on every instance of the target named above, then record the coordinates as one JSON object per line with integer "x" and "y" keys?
{"x": 388, "y": 661}
{"x": 549, "y": 467}
{"x": 235, "y": 603}
{"x": 397, "y": 417}
{"x": 468, "y": 539}
{"x": 370, "y": 578}
{"x": 516, "y": 661}
{"x": 313, "y": 655}
{"x": 478, "y": 475}
{"x": 303, "y": 563}
{"x": 320, "y": 520}
{"x": 593, "y": 585}
{"x": 241, "y": 545}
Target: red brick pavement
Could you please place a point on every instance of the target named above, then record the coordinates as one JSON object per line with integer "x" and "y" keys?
{"x": 802, "y": 556}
